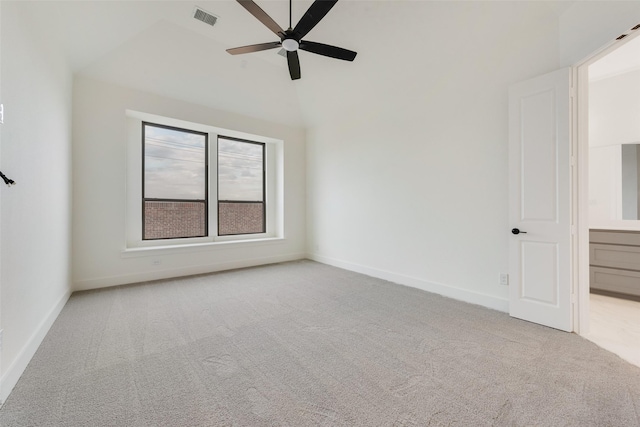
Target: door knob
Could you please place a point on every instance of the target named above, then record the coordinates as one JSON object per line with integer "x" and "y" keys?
{"x": 516, "y": 231}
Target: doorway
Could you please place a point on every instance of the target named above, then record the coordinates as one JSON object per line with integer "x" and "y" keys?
{"x": 609, "y": 322}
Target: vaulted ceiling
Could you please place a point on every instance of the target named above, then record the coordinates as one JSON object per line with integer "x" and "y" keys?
{"x": 157, "y": 46}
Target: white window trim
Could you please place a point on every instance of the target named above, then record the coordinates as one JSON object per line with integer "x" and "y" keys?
{"x": 195, "y": 247}
{"x": 274, "y": 199}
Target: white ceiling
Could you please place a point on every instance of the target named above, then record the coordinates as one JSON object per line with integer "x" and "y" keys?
{"x": 157, "y": 46}
{"x": 89, "y": 29}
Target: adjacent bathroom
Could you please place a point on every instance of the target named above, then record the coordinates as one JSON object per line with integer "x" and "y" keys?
{"x": 614, "y": 201}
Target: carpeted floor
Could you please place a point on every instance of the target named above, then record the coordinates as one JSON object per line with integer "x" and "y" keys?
{"x": 305, "y": 344}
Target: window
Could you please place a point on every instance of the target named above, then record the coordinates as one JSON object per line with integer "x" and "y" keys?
{"x": 174, "y": 184}
{"x": 191, "y": 185}
{"x": 241, "y": 187}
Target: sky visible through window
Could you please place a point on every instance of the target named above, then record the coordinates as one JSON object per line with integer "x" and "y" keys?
{"x": 174, "y": 164}
{"x": 240, "y": 170}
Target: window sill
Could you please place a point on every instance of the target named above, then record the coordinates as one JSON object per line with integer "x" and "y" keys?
{"x": 195, "y": 247}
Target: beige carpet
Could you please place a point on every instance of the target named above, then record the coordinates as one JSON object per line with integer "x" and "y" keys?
{"x": 305, "y": 344}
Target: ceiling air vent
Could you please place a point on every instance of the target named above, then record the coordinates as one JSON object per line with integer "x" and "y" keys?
{"x": 204, "y": 16}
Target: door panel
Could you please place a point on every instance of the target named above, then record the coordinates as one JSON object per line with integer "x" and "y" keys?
{"x": 539, "y": 264}
{"x": 539, "y": 200}
{"x": 538, "y": 124}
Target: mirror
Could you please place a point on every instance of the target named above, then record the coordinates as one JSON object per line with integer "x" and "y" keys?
{"x": 630, "y": 181}
{"x": 614, "y": 186}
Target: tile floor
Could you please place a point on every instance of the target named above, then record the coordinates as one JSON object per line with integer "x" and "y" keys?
{"x": 615, "y": 326}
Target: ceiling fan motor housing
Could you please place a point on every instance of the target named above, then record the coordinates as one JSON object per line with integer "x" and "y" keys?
{"x": 290, "y": 45}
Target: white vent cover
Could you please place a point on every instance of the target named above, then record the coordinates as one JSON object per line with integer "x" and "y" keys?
{"x": 204, "y": 16}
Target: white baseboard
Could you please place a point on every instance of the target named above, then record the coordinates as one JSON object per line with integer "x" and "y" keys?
{"x": 465, "y": 295}
{"x": 13, "y": 373}
{"x": 103, "y": 282}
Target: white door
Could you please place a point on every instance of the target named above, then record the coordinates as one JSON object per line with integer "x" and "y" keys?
{"x": 540, "y": 200}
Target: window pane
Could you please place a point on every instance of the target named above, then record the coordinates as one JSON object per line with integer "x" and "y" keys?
{"x": 175, "y": 186}
{"x": 241, "y": 207}
{"x": 174, "y": 164}
{"x": 171, "y": 219}
{"x": 240, "y": 170}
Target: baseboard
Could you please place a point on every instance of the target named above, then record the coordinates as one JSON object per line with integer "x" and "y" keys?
{"x": 13, "y": 373}
{"x": 103, "y": 282}
{"x": 465, "y": 295}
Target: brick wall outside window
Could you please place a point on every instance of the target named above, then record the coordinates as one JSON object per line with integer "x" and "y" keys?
{"x": 240, "y": 218}
{"x": 167, "y": 220}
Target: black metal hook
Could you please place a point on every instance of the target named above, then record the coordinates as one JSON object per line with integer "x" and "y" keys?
{"x": 7, "y": 181}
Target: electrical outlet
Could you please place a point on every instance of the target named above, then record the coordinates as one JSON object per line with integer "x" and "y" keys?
{"x": 504, "y": 279}
{"x": 1, "y": 114}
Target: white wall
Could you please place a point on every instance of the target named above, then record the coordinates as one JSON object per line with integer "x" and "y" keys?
{"x": 411, "y": 185}
{"x": 36, "y": 212}
{"x": 1, "y": 398}
{"x": 614, "y": 110}
{"x": 407, "y": 173}
{"x": 100, "y": 139}
{"x": 614, "y": 119}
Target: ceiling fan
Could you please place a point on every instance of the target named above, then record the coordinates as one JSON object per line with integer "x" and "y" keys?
{"x": 291, "y": 39}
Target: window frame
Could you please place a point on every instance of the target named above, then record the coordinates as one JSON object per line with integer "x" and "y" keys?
{"x": 206, "y": 181}
{"x": 134, "y": 246}
{"x": 264, "y": 187}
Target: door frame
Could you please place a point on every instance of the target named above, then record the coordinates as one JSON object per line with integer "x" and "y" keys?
{"x": 580, "y": 179}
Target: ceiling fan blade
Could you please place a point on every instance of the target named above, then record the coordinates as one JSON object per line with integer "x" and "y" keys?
{"x": 312, "y": 16}
{"x": 253, "y": 48}
{"x": 327, "y": 50}
{"x": 294, "y": 65}
{"x": 262, "y": 16}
